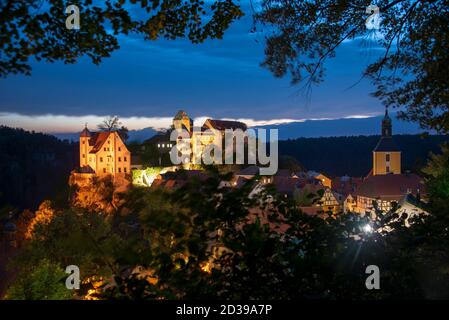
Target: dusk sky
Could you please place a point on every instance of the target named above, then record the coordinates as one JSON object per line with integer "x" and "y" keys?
{"x": 145, "y": 83}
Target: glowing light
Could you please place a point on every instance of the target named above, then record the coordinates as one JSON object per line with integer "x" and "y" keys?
{"x": 367, "y": 228}
{"x": 206, "y": 267}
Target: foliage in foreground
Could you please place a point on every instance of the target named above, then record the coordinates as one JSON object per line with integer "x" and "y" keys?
{"x": 44, "y": 281}
{"x": 204, "y": 241}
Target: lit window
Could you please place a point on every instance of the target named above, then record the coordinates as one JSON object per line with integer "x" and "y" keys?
{"x": 158, "y": 145}
{"x": 163, "y": 145}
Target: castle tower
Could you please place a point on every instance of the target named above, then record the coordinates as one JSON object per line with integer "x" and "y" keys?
{"x": 182, "y": 121}
{"x": 84, "y": 146}
{"x": 386, "y": 155}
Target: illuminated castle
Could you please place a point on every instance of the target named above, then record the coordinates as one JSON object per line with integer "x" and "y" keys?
{"x": 199, "y": 139}
{"x": 104, "y": 153}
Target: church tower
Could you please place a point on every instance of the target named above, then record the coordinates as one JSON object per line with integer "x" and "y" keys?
{"x": 386, "y": 155}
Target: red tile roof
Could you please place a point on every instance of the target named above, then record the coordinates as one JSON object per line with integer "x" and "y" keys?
{"x": 225, "y": 124}
{"x": 390, "y": 187}
{"x": 172, "y": 180}
{"x": 85, "y": 133}
{"x": 312, "y": 211}
{"x": 346, "y": 185}
{"x": 285, "y": 185}
{"x": 98, "y": 139}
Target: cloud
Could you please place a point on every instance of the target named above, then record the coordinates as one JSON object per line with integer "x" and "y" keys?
{"x": 51, "y": 123}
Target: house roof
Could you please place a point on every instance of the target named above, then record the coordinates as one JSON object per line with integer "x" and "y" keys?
{"x": 98, "y": 139}
{"x": 85, "y": 133}
{"x": 390, "y": 187}
{"x": 172, "y": 180}
{"x": 185, "y": 175}
{"x": 225, "y": 124}
{"x": 240, "y": 182}
{"x": 311, "y": 187}
{"x": 311, "y": 210}
{"x": 285, "y": 173}
{"x": 410, "y": 199}
{"x": 346, "y": 185}
{"x": 285, "y": 184}
{"x": 386, "y": 144}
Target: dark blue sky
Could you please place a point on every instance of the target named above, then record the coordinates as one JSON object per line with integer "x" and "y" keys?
{"x": 150, "y": 81}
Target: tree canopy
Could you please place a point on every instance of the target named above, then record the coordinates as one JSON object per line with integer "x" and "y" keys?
{"x": 412, "y": 72}
{"x": 37, "y": 28}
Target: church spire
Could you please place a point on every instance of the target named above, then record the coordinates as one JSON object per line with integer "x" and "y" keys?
{"x": 386, "y": 125}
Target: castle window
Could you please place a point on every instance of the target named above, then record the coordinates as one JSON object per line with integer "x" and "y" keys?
{"x": 387, "y": 169}
{"x": 124, "y": 159}
{"x": 101, "y": 159}
{"x": 119, "y": 159}
{"x": 84, "y": 155}
{"x": 105, "y": 149}
{"x": 119, "y": 169}
{"x": 104, "y": 170}
{"x": 119, "y": 149}
{"x": 124, "y": 169}
{"x": 109, "y": 141}
{"x": 84, "y": 142}
{"x": 387, "y": 157}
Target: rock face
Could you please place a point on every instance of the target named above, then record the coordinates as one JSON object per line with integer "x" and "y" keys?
{"x": 98, "y": 194}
